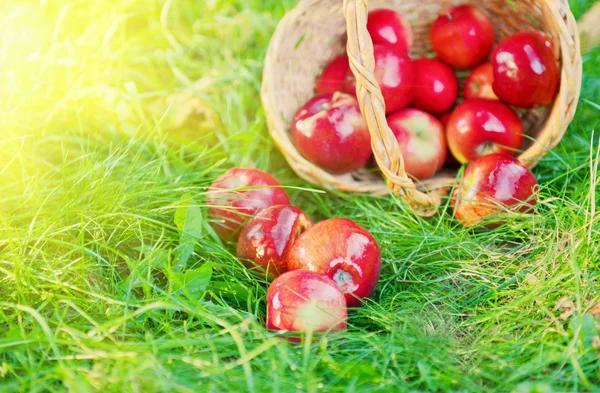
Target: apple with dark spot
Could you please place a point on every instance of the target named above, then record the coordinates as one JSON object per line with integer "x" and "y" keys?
{"x": 388, "y": 27}
{"x": 479, "y": 83}
{"x": 491, "y": 184}
{"x": 236, "y": 196}
{"x": 462, "y": 36}
{"x": 342, "y": 250}
{"x": 267, "y": 238}
{"x": 526, "y": 73}
{"x": 478, "y": 127}
{"x": 303, "y": 301}
{"x": 330, "y": 131}
{"x": 422, "y": 141}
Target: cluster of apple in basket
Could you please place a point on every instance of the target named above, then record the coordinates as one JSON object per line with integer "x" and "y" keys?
{"x": 421, "y": 95}
{"x": 321, "y": 269}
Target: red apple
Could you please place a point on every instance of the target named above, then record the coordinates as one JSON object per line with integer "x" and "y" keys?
{"x": 478, "y": 127}
{"x": 422, "y": 141}
{"x": 266, "y": 239}
{"x": 490, "y": 184}
{"x": 330, "y": 131}
{"x": 436, "y": 86}
{"x": 342, "y": 250}
{"x": 388, "y": 27}
{"x": 237, "y": 195}
{"x": 395, "y": 74}
{"x": 451, "y": 162}
{"x": 336, "y": 76}
{"x": 526, "y": 74}
{"x": 479, "y": 83}
{"x": 301, "y": 301}
{"x": 462, "y": 36}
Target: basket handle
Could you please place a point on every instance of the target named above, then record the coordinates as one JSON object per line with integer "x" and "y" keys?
{"x": 383, "y": 142}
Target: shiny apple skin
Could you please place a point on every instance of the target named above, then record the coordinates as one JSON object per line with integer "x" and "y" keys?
{"x": 395, "y": 74}
{"x": 479, "y": 83}
{"x": 336, "y": 76}
{"x": 526, "y": 73}
{"x": 330, "y": 131}
{"x": 232, "y": 204}
{"x": 478, "y": 127}
{"x": 491, "y": 184}
{"x": 388, "y": 27}
{"x": 342, "y": 250}
{"x": 451, "y": 162}
{"x": 422, "y": 141}
{"x": 301, "y": 301}
{"x": 462, "y": 36}
{"x": 436, "y": 86}
{"x": 267, "y": 238}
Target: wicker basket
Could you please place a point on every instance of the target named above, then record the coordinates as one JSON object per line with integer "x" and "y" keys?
{"x": 316, "y": 30}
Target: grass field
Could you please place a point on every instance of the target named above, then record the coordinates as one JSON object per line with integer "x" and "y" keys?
{"x": 116, "y": 116}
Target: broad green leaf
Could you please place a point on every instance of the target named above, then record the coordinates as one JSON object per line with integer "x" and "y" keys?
{"x": 189, "y": 220}
{"x": 195, "y": 280}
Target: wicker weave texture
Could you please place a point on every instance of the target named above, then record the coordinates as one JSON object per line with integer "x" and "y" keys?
{"x": 316, "y": 30}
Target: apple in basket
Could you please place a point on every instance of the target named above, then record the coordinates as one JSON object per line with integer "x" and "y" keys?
{"x": 342, "y": 250}
{"x": 436, "y": 86}
{"x": 267, "y": 238}
{"x": 479, "y": 83}
{"x": 330, "y": 131}
{"x": 526, "y": 74}
{"x": 395, "y": 74}
{"x": 388, "y": 27}
{"x": 301, "y": 301}
{"x": 491, "y": 184}
{"x": 478, "y": 127}
{"x": 336, "y": 76}
{"x": 462, "y": 36}
{"x": 236, "y": 196}
{"x": 422, "y": 141}
{"x": 451, "y": 162}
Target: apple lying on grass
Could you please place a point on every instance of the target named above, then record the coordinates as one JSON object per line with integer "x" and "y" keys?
{"x": 330, "y": 131}
{"x": 422, "y": 141}
{"x": 236, "y": 196}
{"x": 342, "y": 250}
{"x": 267, "y": 238}
{"x": 388, "y": 27}
{"x": 301, "y": 301}
{"x": 491, "y": 184}
{"x": 526, "y": 74}
{"x": 478, "y": 127}
{"x": 462, "y": 36}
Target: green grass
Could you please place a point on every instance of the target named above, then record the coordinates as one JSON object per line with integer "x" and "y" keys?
{"x": 101, "y": 170}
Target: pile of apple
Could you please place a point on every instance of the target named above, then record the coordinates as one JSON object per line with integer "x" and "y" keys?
{"x": 321, "y": 269}
{"x": 420, "y": 97}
